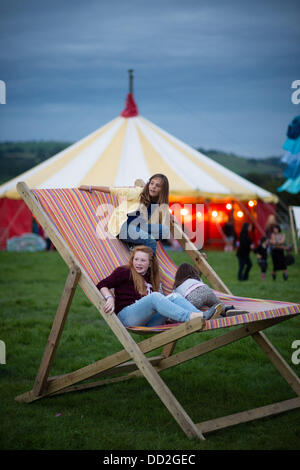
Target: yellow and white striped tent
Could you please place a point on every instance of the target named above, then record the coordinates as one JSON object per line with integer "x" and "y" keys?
{"x": 132, "y": 147}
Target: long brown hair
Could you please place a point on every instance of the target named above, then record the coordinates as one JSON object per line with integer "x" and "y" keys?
{"x": 154, "y": 273}
{"x": 184, "y": 272}
{"x": 163, "y": 197}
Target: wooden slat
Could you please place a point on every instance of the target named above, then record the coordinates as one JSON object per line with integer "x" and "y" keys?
{"x": 250, "y": 415}
{"x": 216, "y": 343}
{"x": 169, "y": 349}
{"x": 120, "y": 369}
{"x": 127, "y": 367}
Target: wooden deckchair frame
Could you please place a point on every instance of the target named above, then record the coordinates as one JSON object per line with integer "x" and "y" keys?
{"x": 132, "y": 358}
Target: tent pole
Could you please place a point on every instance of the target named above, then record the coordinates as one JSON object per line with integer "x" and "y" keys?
{"x": 292, "y": 224}
{"x": 130, "y": 71}
{"x": 259, "y": 228}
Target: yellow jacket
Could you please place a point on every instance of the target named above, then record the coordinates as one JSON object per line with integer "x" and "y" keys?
{"x": 129, "y": 199}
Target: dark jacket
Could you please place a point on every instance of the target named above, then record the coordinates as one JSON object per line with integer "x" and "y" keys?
{"x": 121, "y": 281}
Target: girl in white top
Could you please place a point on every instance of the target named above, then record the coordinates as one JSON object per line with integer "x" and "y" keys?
{"x": 188, "y": 283}
{"x": 143, "y": 216}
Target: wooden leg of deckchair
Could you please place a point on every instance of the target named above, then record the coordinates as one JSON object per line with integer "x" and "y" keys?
{"x": 281, "y": 365}
{"x": 56, "y": 331}
{"x": 168, "y": 349}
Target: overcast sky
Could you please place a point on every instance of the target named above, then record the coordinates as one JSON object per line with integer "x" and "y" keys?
{"x": 216, "y": 74}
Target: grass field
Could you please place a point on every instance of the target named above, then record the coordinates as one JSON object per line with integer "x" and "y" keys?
{"x": 129, "y": 415}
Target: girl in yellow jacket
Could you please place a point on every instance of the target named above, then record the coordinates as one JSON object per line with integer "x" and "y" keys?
{"x": 142, "y": 216}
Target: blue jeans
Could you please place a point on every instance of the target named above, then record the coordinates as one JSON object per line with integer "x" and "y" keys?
{"x": 154, "y": 309}
{"x": 144, "y": 234}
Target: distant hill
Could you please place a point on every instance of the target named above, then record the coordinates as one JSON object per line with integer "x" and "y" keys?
{"x": 243, "y": 166}
{"x": 18, "y": 157}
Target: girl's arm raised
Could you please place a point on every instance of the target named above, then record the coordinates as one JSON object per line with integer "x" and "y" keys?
{"x": 103, "y": 189}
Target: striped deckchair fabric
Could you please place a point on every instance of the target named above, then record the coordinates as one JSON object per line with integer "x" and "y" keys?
{"x": 81, "y": 219}
{"x": 76, "y": 222}
{"x": 253, "y": 310}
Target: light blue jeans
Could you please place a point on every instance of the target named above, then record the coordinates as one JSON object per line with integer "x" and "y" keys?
{"x": 154, "y": 309}
{"x": 144, "y": 234}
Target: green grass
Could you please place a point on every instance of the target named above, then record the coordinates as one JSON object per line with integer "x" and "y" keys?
{"x": 129, "y": 415}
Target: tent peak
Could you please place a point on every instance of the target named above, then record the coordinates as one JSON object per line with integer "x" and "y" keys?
{"x": 131, "y": 109}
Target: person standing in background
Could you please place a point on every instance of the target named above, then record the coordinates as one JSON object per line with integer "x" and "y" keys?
{"x": 243, "y": 252}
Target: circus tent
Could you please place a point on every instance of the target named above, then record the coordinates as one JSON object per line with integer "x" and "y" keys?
{"x": 131, "y": 147}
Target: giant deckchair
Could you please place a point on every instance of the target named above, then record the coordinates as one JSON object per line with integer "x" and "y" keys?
{"x": 76, "y": 221}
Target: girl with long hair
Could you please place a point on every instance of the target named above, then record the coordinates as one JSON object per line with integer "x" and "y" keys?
{"x": 188, "y": 283}
{"x": 136, "y": 298}
{"x": 143, "y": 216}
{"x": 277, "y": 241}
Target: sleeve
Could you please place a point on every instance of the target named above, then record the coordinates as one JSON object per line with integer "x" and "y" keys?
{"x": 116, "y": 278}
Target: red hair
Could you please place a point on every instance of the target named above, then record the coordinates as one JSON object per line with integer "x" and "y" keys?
{"x": 154, "y": 274}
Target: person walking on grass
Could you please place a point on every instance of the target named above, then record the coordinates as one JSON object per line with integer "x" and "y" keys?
{"x": 142, "y": 216}
{"x": 137, "y": 300}
{"x": 277, "y": 241}
{"x": 243, "y": 252}
{"x": 262, "y": 256}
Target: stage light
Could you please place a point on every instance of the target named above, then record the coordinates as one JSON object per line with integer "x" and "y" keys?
{"x": 240, "y": 214}
{"x": 184, "y": 212}
{"x": 251, "y": 203}
{"x": 214, "y": 214}
{"x": 228, "y": 206}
